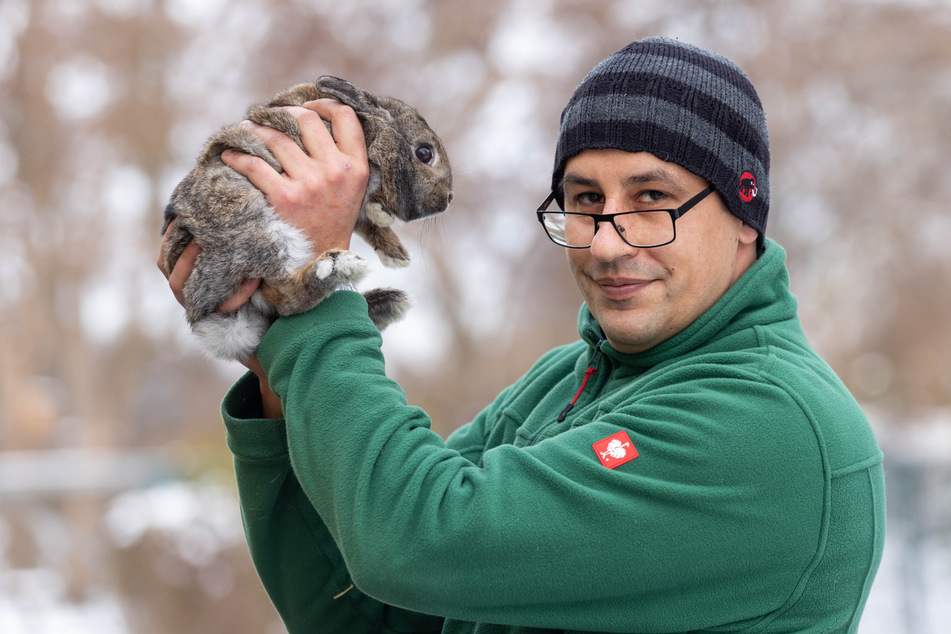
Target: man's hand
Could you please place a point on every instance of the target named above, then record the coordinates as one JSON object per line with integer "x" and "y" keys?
{"x": 183, "y": 268}
{"x": 321, "y": 191}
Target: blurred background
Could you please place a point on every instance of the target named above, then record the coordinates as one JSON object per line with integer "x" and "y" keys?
{"x": 117, "y": 505}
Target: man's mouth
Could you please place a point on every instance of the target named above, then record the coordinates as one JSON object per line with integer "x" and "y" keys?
{"x": 619, "y": 288}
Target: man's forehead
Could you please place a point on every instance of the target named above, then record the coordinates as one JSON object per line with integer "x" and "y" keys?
{"x": 589, "y": 176}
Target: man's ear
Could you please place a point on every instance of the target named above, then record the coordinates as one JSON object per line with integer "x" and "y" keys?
{"x": 748, "y": 234}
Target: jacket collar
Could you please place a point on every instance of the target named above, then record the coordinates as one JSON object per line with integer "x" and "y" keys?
{"x": 760, "y": 296}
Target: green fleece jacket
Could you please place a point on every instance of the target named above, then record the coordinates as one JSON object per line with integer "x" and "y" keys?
{"x": 743, "y": 489}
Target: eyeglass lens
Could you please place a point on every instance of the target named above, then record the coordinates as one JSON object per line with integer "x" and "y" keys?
{"x": 646, "y": 228}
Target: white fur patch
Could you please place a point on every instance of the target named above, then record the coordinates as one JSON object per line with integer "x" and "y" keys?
{"x": 377, "y": 216}
{"x": 258, "y": 301}
{"x": 323, "y": 269}
{"x": 297, "y": 252}
{"x": 345, "y": 266}
{"x": 234, "y": 336}
{"x": 351, "y": 266}
{"x": 393, "y": 263}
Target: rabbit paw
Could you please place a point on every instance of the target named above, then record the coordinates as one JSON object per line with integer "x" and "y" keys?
{"x": 385, "y": 243}
{"x": 394, "y": 258}
{"x": 378, "y": 216}
{"x": 387, "y": 305}
{"x": 342, "y": 267}
{"x": 309, "y": 286}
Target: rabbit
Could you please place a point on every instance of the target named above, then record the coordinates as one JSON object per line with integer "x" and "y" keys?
{"x": 242, "y": 238}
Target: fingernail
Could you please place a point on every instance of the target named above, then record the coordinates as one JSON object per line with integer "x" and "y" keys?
{"x": 247, "y": 123}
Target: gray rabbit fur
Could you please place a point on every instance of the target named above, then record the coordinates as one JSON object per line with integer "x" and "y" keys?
{"x": 242, "y": 238}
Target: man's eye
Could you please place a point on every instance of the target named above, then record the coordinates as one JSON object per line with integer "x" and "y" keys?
{"x": 652, "y": 196}
{"x": 589, "y": 198}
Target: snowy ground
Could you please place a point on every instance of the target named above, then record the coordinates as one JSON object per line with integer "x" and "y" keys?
{"x": 31, "y": 602}
{"x": 910, "y": 594}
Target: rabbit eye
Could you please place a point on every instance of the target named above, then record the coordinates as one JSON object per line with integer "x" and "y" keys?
{"x": 425, "y": 154}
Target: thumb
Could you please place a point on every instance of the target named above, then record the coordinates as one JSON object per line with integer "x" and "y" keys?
{"x": 240, "y": 298}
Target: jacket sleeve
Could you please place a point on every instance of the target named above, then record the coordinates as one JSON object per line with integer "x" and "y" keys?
{"x": 545, "y": 535}
{"x": 295, "y": 556}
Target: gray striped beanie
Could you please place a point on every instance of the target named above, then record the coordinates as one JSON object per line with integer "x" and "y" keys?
{"x": 683, "y": 104}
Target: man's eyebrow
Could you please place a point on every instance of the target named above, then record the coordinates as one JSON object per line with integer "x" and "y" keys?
{"x": 653, "y": 176}
{"x": 657, "y": 176}
{"x": 579, "y": 180}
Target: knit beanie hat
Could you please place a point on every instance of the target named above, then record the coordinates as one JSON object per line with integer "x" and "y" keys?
{"x": 683, "y": 104}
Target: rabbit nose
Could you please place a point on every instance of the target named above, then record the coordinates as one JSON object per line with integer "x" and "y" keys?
{"x": 449, "y": 199}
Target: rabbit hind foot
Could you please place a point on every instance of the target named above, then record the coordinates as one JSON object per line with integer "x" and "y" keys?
{"x": 387, "y": 305}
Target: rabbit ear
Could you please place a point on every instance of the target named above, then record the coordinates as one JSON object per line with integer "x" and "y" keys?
{"x": 296, "y": 95}
{"x": 345, "y": 92}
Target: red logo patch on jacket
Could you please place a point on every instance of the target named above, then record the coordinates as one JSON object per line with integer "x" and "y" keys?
{"x": 615, "y": 450}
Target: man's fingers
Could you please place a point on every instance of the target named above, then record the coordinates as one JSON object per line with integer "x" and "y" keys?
{"x": 161, "y": 254}
{"x": 292, "y": 158}
{"x": 347, "y": 140}
{"x": 183, "y": 268}
{"x": 256, "y": 170}
{"x": 345, "y": 127}
{"x": 320, "y": 191}
{"x": 242, "y": 297}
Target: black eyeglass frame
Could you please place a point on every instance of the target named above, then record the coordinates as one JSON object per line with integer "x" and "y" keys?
{"x": 675, "y": 214}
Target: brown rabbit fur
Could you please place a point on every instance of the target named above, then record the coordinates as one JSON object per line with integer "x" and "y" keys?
{"x": 242, "y": 238}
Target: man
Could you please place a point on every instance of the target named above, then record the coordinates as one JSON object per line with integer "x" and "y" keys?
{"x": 690, "y": 464}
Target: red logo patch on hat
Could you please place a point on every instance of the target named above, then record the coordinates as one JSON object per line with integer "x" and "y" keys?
{"x": 747, "y": 187}
{"x": 615, "y": 450}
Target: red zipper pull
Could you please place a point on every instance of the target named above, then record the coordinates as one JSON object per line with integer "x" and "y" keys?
{"x": 587, "y": 375}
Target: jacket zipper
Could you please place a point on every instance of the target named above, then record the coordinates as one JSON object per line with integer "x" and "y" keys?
{"x": 592, "y": 370}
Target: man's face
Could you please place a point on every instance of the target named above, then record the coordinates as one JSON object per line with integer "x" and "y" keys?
{"x": 642, "y": 297}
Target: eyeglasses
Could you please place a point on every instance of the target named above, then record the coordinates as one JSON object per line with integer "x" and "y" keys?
{"x": 640, "y": 229}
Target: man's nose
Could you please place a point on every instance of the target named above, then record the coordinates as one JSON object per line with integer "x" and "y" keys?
{"x": 607, "y": 244}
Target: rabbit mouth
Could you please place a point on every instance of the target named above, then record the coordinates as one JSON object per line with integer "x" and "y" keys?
{"x": 432, "y": 205}
{"x": 436, "y": 205}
